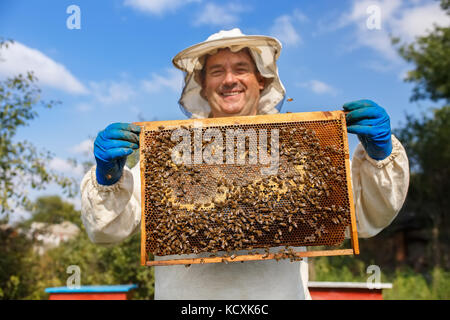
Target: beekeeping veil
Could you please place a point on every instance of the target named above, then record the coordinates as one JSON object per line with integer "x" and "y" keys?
{"x": 264, "y": 51}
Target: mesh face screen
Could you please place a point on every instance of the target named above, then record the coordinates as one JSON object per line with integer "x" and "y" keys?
{"x": 243, "y": 186}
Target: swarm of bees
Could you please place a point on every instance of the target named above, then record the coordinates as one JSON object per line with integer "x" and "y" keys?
{"x": 192, "y": 209}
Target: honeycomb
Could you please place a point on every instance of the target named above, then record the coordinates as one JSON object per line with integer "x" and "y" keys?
{"x": 245, "y": 184}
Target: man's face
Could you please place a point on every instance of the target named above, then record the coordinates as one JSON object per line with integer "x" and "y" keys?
{"x": 231, "y": 84}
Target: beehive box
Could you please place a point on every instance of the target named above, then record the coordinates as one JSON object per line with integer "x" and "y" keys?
{"x": 224, "y": 186}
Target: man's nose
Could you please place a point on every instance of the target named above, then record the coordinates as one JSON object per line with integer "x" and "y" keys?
{"x": 230, "y": 78}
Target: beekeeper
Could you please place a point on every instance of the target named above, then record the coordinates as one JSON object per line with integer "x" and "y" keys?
{"x": 231, "y": 74}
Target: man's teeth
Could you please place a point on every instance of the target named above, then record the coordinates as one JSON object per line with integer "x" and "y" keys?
{"x": 231, "y": 93}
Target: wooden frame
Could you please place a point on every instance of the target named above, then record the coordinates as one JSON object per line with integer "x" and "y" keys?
{"x": 260, "y": 119}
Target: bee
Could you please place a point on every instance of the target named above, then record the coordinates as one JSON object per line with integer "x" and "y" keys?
{"x": 290, "y": 218}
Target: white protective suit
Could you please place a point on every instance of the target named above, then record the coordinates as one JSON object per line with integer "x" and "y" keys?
{"x": 112, "y": 213}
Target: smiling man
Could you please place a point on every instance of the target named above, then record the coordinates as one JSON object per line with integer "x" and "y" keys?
{"x": 231, "y": 74}
{"x": 231, "y": 83}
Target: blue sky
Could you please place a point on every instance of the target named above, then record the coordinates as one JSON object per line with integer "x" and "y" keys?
{"x": 117, "y": 67}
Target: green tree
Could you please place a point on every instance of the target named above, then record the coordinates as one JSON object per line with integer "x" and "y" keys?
{"x": 22, "y": 165}
{"x": 427, "y": 141}
{"x": 427, "y": 137}
{"x": 430, "y": 56}
{"x": 53, "y": 210}
{"x": 24, "y": 274}
{"x": 20, "y": 265}
{"x": 16, "y": 255}
{"x": 99, "y": 265}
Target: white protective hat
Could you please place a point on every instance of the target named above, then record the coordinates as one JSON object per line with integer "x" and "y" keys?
{"x": 265, "y": 52}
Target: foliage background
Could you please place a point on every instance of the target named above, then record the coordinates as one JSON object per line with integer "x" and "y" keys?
{"x": 25, "y": 274}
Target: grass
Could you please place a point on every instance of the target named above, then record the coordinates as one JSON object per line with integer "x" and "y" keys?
{"x": 409, "y": 285}
{"x": 406, "y": 283}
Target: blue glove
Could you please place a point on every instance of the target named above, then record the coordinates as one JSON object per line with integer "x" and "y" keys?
{"x": 371, "y": 123}
{"x": 111, "y": 149}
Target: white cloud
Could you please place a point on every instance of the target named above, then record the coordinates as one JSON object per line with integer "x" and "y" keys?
{"x": 405, "y": 20}
{"x": 112, "y": 92}
{"x": 76, "y": 201}
{"x": 157, "y": 7}
{"x": 379, "y": 40}
{"x": 419, "y": 21}
{"x": 300, "y": 16}
{"x": 213, "y": 14}
{"x": 403, "y": 74}
{"x": 67, "y": 167}
{"x": 284, "y": 30}
{"x": 18, "y": 58}
{"x": 127, "y": 92}
{"x": 136, "y": 110}
{"x": 84, "y": 147}
{"x": 378, "y": 66}
{"x": 359, "y": 10}
{"x": 83, "y": 107}
{"x": 318, "y": 87}
{"x": 173, "y": 80}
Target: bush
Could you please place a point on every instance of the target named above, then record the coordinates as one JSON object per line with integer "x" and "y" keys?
{"x": 99, "y": 265}
{"x": 408, "y": 285}
{"x": 338, "y": 268}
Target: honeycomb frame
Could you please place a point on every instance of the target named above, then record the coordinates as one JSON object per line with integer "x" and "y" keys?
{"x": 317, "y": 150}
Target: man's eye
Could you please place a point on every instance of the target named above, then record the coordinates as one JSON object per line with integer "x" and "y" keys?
{"x": 216, "y": 73}
{"x": 242, "y": 70}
